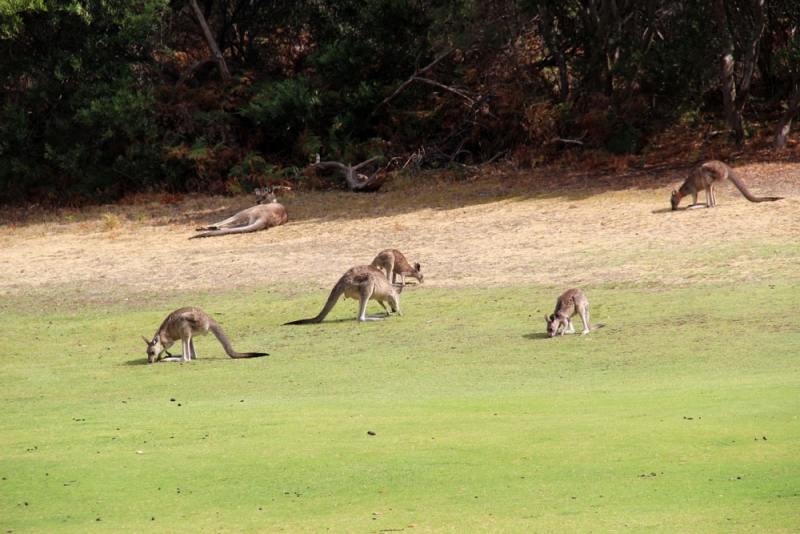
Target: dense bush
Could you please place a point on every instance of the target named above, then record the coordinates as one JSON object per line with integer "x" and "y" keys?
{"x": 77, "y": 119}
{"x": 102, "y": 98}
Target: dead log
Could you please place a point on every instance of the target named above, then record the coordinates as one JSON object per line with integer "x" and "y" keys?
{"x": 355, "y": 181}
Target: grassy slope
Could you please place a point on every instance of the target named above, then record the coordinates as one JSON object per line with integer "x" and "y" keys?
{"x": 680, "y": 415}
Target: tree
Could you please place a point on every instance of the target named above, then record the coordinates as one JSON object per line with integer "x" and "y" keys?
{"x": 735, "y": 95}
{"x": 789, "y": 65}
{"x": 216, "y": 53}
{"x": 77, "y": 113}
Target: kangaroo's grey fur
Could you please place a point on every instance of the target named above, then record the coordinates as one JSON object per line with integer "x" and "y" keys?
{"x": 393, "y": 262}
{"x": 706, "y": 176}
{"x": 365, "y": 283}
{"x": 571, "y": 303}
{"x": 185, "y": 324}
{"x": 265, "y": 214}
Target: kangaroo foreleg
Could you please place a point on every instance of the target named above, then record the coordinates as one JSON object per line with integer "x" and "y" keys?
{"x": 384, "y": 307}
{"x": 695, "y": 205}
{"x": 567, "y": 327}
{"x": 388, "y": 311}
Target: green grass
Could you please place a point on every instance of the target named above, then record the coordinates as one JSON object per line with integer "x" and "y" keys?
{"x": 680, "y": 415}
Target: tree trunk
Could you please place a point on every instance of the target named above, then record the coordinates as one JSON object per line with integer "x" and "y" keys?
{"x": 727, "y": 65}
{"x": 734, "y": 98}
{"x": 546, "y": 26}
{"x": 216, "y": 53}
{"x": 785, "y": 122}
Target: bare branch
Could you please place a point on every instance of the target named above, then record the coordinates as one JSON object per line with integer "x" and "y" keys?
{"x": 408, "y": 82}
{"x": 445, "y": 87}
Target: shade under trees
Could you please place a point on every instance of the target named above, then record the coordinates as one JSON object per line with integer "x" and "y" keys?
{"x": 103, "y": 98}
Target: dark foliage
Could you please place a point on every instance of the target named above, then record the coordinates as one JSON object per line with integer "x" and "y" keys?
{"x": 104, "y": 98}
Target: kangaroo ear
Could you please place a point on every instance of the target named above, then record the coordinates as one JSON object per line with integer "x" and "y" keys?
{"x": 146, "y": 340}
{"x": 257, "y": 191}
{"x": 417, "y": 266}
{"x": 546, "y": 318}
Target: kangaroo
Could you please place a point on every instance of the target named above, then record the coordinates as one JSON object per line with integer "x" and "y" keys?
{"x": 185, "y": 323}
{"x": 365, "y": 283}
{"x": 573, "y": 302}
{"x": 393, "y": 262}
{"x": 265, "y": 214}
{"x": 706, "y": 176}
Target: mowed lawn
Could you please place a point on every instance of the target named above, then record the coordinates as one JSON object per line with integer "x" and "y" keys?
{"x": 461, "y": 416}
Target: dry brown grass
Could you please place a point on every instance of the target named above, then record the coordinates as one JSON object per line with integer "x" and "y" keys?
{"x": 552, "y": 226}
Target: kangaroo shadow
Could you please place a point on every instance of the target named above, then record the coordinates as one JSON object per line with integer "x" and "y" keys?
{"x": 539, "y": 335}
{"x": 691, "y": 207}
{"x": 139, "y": 361}
{"x": 145, "y": 361}
{"x": 344, "y": 320}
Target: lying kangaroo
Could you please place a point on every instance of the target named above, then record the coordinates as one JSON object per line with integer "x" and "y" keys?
{"x": 185, "y": 323}
{"x": 706, "y": 176}
{"x": 393, "y": 262}
{"x": 573, "y": 302}
{"x": 363, "y": 282}
{"x": 265, "y": 214}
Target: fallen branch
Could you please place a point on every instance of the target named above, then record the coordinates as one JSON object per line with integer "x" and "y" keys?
{"x": 569, "y": 141}
{"x": 355, "y": 181}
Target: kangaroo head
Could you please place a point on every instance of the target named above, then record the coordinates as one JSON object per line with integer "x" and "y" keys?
{"x": 675, "y": 199}
{"x": 394, "y": 301}
{"x": 418, "y": 268}
{"x": 552, "y": 325}
{"x": 265, "y": 196}
{"x": 154, "y": 348}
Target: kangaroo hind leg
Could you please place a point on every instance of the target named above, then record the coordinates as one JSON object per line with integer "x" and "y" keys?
{"x": 186, "y": 342}
{"x": 365, "y": 292}
{"x": 584, "y": 313}
{"x": 712, "y": 197}
{"x": 236, "y": 220}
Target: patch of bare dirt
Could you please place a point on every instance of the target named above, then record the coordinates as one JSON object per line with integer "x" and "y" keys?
{"x": 515, "y": 229}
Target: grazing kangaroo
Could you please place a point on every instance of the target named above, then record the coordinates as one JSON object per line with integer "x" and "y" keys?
{"x": 265, "y": 214}
{"x": 573, "y": 302}
{"x": 184, "y": 324}
{"x": 393, "y": 262}
{"x": 363, "y": 282}
{"x": 706, "y": 176}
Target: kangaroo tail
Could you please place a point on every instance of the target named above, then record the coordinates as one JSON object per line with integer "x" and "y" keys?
{"x": 240, "y": 230}
{"x": 746, "y": 192}
{"x": 336, "y": 292}
{"x": 226, "y": 344}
